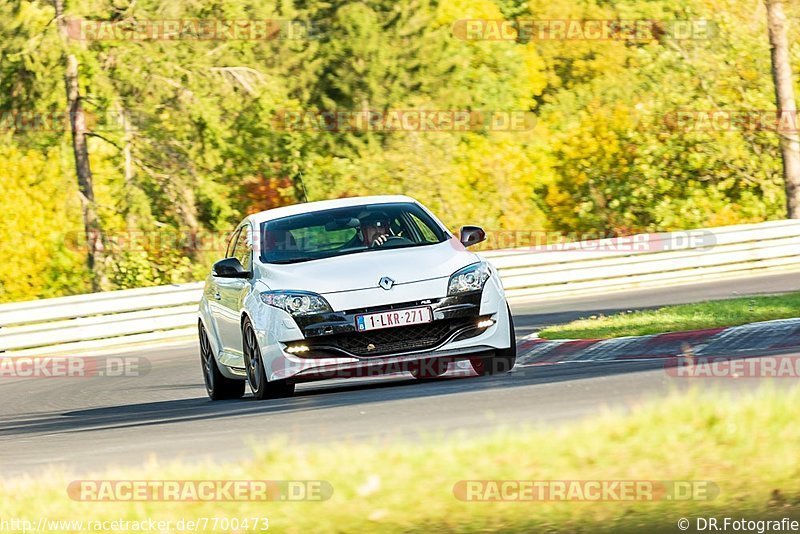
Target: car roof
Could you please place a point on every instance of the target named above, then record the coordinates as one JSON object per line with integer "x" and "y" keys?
{"x": 307, "y": 207}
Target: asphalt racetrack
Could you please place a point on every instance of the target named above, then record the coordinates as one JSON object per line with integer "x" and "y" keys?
{"x": 88, "y": 424}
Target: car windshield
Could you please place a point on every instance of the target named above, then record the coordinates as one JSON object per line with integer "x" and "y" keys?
{"x": 328, "y": 233}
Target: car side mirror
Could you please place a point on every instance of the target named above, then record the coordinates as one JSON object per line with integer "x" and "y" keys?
{"x": 472, "y": 235}
{"x": 229, "y": 268}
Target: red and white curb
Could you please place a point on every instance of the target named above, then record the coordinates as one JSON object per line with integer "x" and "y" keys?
{"x": 766, "y": 336}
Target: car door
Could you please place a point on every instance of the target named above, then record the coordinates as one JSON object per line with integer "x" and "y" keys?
{"x": 231, "y": 291}
{"x": 212, "y": 291}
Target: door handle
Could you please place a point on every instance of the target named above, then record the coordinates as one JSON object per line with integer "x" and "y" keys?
{"x": 217, "y": 295}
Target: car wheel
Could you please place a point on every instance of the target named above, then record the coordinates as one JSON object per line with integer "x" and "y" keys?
{"x": 256, "y": 375}
{"x": 218, "y": 386}
{"x": 428, "y": 369}
{"x": 503, "y": 360}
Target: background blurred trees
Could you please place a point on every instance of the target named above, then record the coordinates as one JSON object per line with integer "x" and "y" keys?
{"x": 185, "y": 142}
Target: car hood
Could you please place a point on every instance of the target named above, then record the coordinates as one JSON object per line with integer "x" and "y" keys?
{"x": 364, "y": 269}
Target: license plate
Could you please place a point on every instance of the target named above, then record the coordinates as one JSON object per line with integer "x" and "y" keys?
{"x": 390, "y": 319}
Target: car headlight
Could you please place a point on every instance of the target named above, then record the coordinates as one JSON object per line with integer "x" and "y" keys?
{"x": 296, "y": 302}
{"x": 470, "y": 278}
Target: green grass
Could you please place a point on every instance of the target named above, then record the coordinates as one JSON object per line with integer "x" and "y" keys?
{"x": 747, "y": 444}
{"x": 709, "y": 314}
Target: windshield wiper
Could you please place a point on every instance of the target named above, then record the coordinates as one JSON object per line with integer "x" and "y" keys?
{"x": 293, "y": 260}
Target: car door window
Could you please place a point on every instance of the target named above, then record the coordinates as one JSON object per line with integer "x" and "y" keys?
{"x": 231, "y": 243}
{"x": 421, "y": 229}
{"x": 242, "y": 250}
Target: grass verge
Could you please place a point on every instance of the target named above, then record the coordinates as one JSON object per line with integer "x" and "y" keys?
{"x": 746, "y": 444}
{"x": 708, "y": 314}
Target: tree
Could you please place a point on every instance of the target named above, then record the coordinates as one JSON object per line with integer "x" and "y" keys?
{"x": 784, "y": 95}
{"x": 92, "y": 227}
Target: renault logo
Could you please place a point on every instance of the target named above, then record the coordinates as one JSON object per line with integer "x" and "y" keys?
{"x": 386, "y": 283}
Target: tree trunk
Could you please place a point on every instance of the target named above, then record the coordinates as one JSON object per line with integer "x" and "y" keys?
{"x": 784, "y": 95}
{"x": 95, "y": 257}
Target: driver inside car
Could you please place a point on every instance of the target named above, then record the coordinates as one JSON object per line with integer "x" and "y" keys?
{"x": 374, "y": 230}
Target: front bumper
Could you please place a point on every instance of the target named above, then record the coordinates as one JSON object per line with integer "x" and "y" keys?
{"x": 335, "y": 334}
{"x": 337, "y": 349}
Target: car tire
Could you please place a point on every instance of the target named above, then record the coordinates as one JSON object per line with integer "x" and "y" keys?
{"x": 218, "y": 386}
{"x": 428, "y": 369}
{"x": 256, "y": 375}
{"x": 503, "y": 360}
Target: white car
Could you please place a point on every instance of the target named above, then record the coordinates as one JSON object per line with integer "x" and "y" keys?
{"x": 349, "y": 287}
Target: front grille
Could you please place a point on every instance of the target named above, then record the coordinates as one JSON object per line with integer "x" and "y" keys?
{"x": 393, "y": 340}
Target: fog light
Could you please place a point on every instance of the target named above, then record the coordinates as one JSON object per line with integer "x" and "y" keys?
{"x": 297, "y": 349}
{"x": 486, "y": 323}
